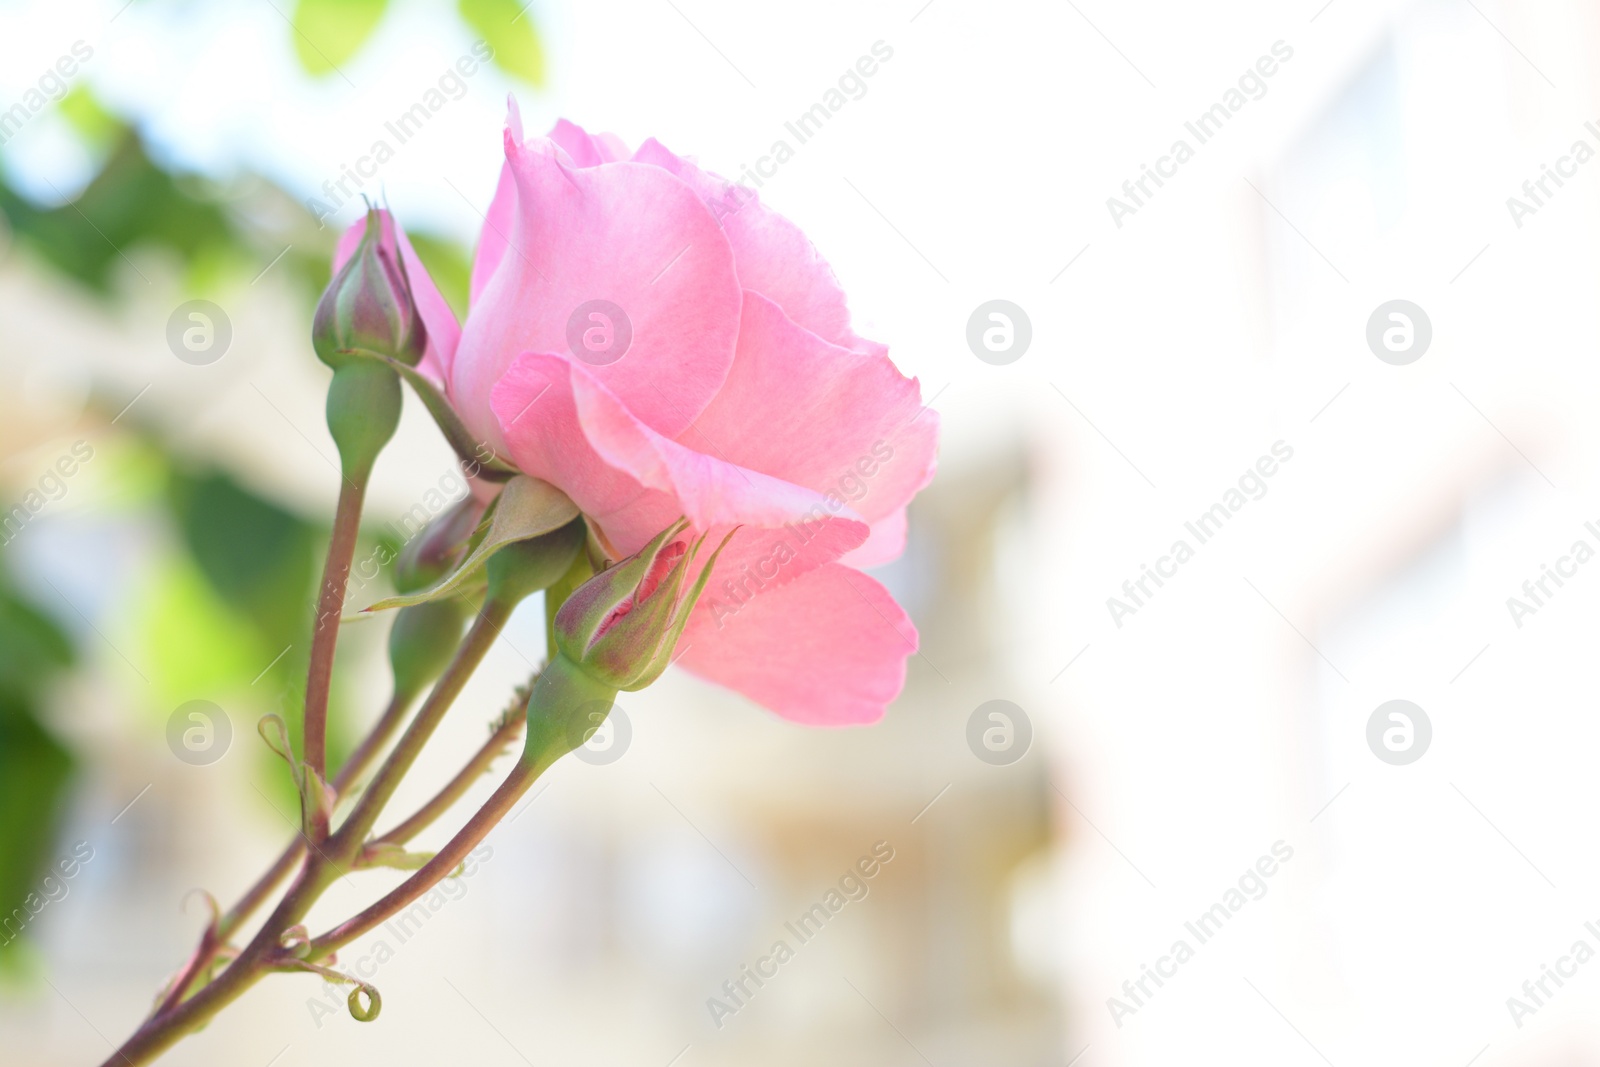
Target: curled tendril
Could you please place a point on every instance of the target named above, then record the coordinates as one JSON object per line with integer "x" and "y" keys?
{"x": 316, "y": 795}
{"x": 297, "y": 940}
{"x": 210, "y": 903}
{"x": 275, "y": 733}
{"x": 374, "y": 1003}
{"x": 361, "y": 1013}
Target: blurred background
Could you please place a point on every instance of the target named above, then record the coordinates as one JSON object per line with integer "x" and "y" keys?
{"x": 1197, "y": 348}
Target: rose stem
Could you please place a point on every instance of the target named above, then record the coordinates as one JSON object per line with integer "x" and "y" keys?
{"x": 485, "y": 629}
{"x": 379, "y": 736}
{"x": 443, "y": 800}
{"x": 325, "y": 635}
{"x": 434, "y": 871}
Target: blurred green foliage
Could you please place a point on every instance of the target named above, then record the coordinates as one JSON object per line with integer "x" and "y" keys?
{"x": 509, "y": 30}
{"x": 130, "y": 204}
{"x": 34, "y": 766}
{"x": 226, "y": 612}
{"x": 98, "y": 127}
{"x": 328, "y": 33}
{"x": 261, "y": 564}
{"x": 257, "y": 555}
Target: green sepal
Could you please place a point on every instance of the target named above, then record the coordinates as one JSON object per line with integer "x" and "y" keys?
{"x": 579, "y": 619}
{"x": 526, "y": 508}
{"x": 439, "y": 548}
{"x": 363, "y": 414}
{"x": 582, "y": 569}
{"x": 369, "y": 304}
{"x": 622, "y": 638}
{"x": 685, "y": 609}
{"x": 471, "y": 453}
{"x": 560, "y": 706}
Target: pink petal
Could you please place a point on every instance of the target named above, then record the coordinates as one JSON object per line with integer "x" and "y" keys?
{"x": 563, "y": 425}
{"x": 774, "y": 257}
{"x": 497, "y": 226}
{"x": 586, "y": 149}
{"x": 497, "y": 223}
{"x": 620, "y": 232}
{"x": 845, "y": 424}
{"x": 884, "y": 544}
{"x": 827, "y": 650}
{"x": 444, "y": 335}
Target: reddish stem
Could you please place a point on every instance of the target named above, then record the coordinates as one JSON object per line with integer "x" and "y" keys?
{"x": 211, "y": 943}
{"x": 436, "y": 869}
{"x": 325, "y": 635}
{"x": 457, "y": 787}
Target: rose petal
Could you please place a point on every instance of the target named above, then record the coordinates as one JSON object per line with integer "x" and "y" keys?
{"x": 846, "y": 424}
{"x": 774, "y": 257}
{"x": 584, "y": 149}
{"x": 827, "y": 650}
{"x": 587, "y": 149}
{"x": 497, "y": 223}
{"x": 496, "y": 232}
{"x": 563, "y": 425}
{"x": 883, "y": 545}
{"x": 632, "y": 235}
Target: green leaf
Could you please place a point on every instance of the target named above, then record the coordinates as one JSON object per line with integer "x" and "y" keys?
{"x": 526, "y": 508}
{"x": 508, "y": 29}
{"x": 329, "y": 32}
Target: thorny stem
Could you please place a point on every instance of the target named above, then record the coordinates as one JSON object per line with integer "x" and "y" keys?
{"x": 555, "y": 705}
{"x": 213, "y": 941}
{"x": 485, "y": 628}
{"x": 436, "y": 869}
{"x": 266, "y": 953}
{"x": 456, "y": 788}
{"x": 343, "y": 848}
{"x": 329, "y": 858}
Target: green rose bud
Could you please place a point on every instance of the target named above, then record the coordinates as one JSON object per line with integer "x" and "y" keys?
{"x": 368, "y": 305}
{"x": 621, "y": 626}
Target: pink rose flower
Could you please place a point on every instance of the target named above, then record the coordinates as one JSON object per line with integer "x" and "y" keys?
{"x": 657, "y": 343}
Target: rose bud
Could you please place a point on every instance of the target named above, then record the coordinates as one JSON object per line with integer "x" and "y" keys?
{"x": 424, "y": 636}
{"x": 435, "y": 551}
{"x": 621, "y": 626}
{"x": 368, "y": 305}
